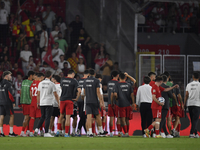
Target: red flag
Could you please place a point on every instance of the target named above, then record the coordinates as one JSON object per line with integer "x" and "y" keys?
{"x": 48, "y": 57}
{"x": 101, "y": 61}
{"x": 51, "y": 39}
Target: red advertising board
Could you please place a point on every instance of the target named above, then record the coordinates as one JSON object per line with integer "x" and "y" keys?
{"x": 160, "y": 49}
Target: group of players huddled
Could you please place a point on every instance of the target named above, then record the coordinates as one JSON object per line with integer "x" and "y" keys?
{"x": 46, "y": 97}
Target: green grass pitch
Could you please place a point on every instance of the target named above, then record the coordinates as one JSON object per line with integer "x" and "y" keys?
{"x": 98, "y": 143}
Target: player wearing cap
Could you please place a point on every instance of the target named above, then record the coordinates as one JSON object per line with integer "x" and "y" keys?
{"x": 35, "y": 112}
{"x": 6, "y": 102}
{"x": 25, "y": 100}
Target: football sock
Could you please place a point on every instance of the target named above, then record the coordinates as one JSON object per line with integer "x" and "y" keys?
{"x": 162, "y": 130}
{"x": 73, "y": 130}
{"x": 93, "y": 127}
{"x": 23, "y": 128}
{"x": 63, "y": 131}
{"x": 27, "y": 128}
{"x": 150, "y": 127}
{"x": 178, "y": 127}
{"x": 11, "y": 129}
{"x": 36, "y": 130}
{"x": 90, "y": 131}
{"x": 52, "y": 128}
{"x": 66, "y": 129}
{"x": 157, "y": 132}
{"x": 100, "y": 129}
{"x": 49, "y": 130}
{"x": 59, "y": 126}
{"x": 111, "y": 128}
{"x": 125, "y": 128}
{"x": 31, "y": 124}
{"x": 103, "y": 124}
{"x": 1, "y": 128}
{"x": 119, "y": 128}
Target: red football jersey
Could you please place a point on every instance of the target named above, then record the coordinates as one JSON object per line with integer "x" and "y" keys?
{"x": 34, "y": 89}
{"x": 152, "y": 83}
{"x": 156, "y": 91}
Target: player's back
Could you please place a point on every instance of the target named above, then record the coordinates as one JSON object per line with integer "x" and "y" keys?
{"x": 34, "y": 91}
{"x": 111, "y": 85}
{"x": 90, "y": 85}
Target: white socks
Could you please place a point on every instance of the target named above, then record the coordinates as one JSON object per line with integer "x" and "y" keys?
{"x": 90, "y": 131}
{"x": 49, "y": 130}
{"x": 73, "y": 130}
{"x": 11, "y": 130}
{"x": 36, "y": 130}
{"x": 100, "y": 129}
{"x": 1, "y": 128}
{"x": 63, "y": 131}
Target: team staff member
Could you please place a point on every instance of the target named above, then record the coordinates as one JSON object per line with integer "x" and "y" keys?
{"x": 6, "y": 102}
{"x": 69, "y": 91}
{"x": 45, "y": 98}
{"x": 25, "y": 100}
{"x": 111, "y": 104}
{"x": 143, "y": 101}
{"x": 35, "y": 112}
{"x": 156, "y": 106}
{"x": 191, "y": 100}
{"x": 123, "y": 92}
{"x": 80, "y": 103}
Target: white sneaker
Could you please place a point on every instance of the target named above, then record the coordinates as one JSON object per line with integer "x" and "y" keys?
{"x": 48, "y": 135}
{"x": 191, "y": 136}
{"x": 169, "y": 136}
{"x": 196, "y": 136}
{"x": 111, "y": 134}
{"x": 144, "y": 136}
{"x": 23, "y": 134}
{"x": 163, "y": 134}
{"x": 27, "y": 133}
{"x": 154, "y": 135}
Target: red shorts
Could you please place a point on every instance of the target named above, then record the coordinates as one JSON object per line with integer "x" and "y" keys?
{"x": 156, "y": 113}
{"x": 117, "y": 111}
{"x": 111, "y": 111}
{"x": 66, "y": 107}
{"x": 125, "y": 112}
{"x": 177, "y": 111}
{"x": 26, "y": 109}
{"x": 35, "y": 112}
{"x": 169, "y": 114}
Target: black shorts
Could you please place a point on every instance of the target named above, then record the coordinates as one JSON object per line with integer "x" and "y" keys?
{"x": 75, "y": 110}
{"x": 92, "y": 109}
{"x": 6, "y": 110}
{"x": 56, "y": 112}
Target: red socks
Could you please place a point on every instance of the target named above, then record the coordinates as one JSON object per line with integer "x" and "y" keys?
{"x": 162, "y": 130}
{"x": 125, "y": 128}
{"x": 52, "y": 128}
{"x": 119, "y": 129}
{"x": 103, "y": 125}
{"x": 111, "y": 128}
{"x": 178, "y": 127}
{"x": 23, "y": 128}
{"x": 157, "y": 132}
{"x": 31, "y": 124}
{"x": 150, "y": 127}
{"x": 66, "y": 129}
{"x": 93, "y": 127}
{"x": 27, "y": 127}
{"x": 59, "y": 126}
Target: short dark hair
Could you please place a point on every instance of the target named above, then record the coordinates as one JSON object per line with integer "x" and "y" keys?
{"x": 164, "y": 78}
{"x": 57, "y": 78}
{"x": 151, "y": 73}
{"x": 195, "y": 75}
{"x": 166, "y": 73}
{"x": 116, "y": 63}
{"x": 40, "y": 74}
{"x": 159, "y": 78}
{"x": 71, "y": 71}
{"x": 122, "y": 76}
{"x": 170, "y": 79}
{"x": 86, "y": 71}
{"x": 19, "y": 73}
{"x": 31, "y": 73}
{"x": 59, "y": 32}
{"x": 91, "y": 72}
{"x": 98, "y": 76}
{"x": 45, "y": 63}
{"x": 56, "y": 62}
{"x": 114, "y": 73}
{"x": 56, "y": 43}
{"x": 146, "y": 80}
{"x": 48, "y": 74}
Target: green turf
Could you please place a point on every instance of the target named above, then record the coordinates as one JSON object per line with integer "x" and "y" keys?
{"x": 98, "y": 143}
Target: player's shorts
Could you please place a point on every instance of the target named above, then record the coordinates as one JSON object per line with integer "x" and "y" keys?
{"x": 26, "y": 109}
{"x": 157, "y": 113}
{"x": 125, "y": 112}
{"x": 103, "y": 112}
{"x": 117, "y": 111}
{"x": 35, "y": 112}
{"x": 6, "y": 110}
{"x": 92, "y": 109}
{"x": 111, "y": 111}
{"x": 177, "y": 111}
{"x": 169, "y": 114}
{"x": 66, "y": 107}
{"x": 56, "y": 112}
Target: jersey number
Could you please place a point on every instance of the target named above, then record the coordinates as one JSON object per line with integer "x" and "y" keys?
{"x": 34, "y": 91}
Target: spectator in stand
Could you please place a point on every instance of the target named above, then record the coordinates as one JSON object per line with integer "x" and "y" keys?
{"x": 16, "y": 69}
{"x": 73, "y": 61}
{"x": 8, "y": 4}
{"x": 99, "y": 56}
{"x": 61, "y": 75}
{"x": 49, "y": 19}
{"x": 4, "y": 53}
{"x": 153, "y": 27}
{"x": 83, "y": 39}
{"x": 3, "y": 24}
{"x": 56, "y": 52}
{"x": 44, "y": 51}
{"x": 11, "y": 21}
{"x": 24, "y": 55}
{"x": 172, "y": 19}
{"x": 43, "y": 38}
{"x": 15, "y": 33}
{"x": 31, "y": 65}
{"x": 62, "y": 26}
{"x": 6, "y": 64}
{"x": 30, "y": 31}
{"x": 45, "y": 67}
{"x": 62, "y": 61}
{"x": 158, "y": 14}
{"x": 79, "y": 54}
{"x": 56, "y": 70}
{"x": 116, "y": 67}
{"x": 39, "y": 9}
{"x": 66, "y": 68}
{"x": 20, "y": 45}
{"x": 62, "y": 43}
{"x": 185, "y": 18}
{"x": 18, "y": 85}
{"x": 75, "y": 27}
{"x": 94, "y": 50}
{"x": 55, "y": 33}
{"x": 38, "y": 25}
{"x": 32, "y": 47}
{"x": 80, "y": 67}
